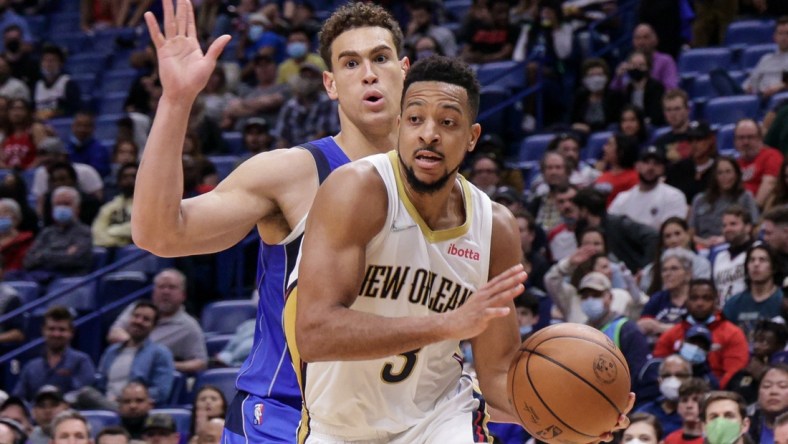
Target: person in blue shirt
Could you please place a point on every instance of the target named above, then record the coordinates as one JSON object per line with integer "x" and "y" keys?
{"x": 60, "y": 365}
{"x": 83, "y": 147}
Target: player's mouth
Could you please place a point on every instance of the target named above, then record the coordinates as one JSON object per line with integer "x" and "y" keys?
{"x": 427, "y": 158}
{"x": 374, "y": 99}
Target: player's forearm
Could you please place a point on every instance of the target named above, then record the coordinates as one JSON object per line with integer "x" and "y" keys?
{"x": 156, "y": 212}
{"x": 350, "y": 335}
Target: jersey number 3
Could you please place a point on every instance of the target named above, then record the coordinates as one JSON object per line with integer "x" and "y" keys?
{"x": 390, "y": 376}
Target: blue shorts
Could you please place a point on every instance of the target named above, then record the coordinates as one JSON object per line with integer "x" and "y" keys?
{"x": 251, "y": 419}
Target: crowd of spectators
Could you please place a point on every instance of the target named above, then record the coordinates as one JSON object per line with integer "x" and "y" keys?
{"x": 676, "y": 249}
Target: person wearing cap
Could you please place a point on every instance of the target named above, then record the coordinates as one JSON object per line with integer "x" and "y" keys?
{"x": 16, "y": 409}
{"x": 256, "y": 137}
{"x": 55, "y": 94}
{"x": 760, "y": 164}
{"x": 160, "y": 428}
{"x": 691, "y": 174}
{"x": 47, "y": 404}
{"x": 729, "y": 351}
{"x": 299, "y": 51}
{"x": 59, "y": 365}
{"x": 763, "y": 297}
{"x": 596, "y": 298}
{"x": 651, "y": 202}
{"x": 309, "y": 114}
{"x": 675, "y": 143}
{"x": 263, "y": 98}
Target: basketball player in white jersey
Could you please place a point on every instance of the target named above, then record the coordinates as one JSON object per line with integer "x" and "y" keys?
{"x": 403, "y": 258}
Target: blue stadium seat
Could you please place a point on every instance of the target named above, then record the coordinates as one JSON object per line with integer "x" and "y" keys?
{"x": 533, "y": 147}
{"x": 99, "y": 419}
{"x": 118, "y": 81}
{"x": 751, "y": 55}
{"x": 725, "y": 137}
{"x": 62, "y": 126}
{"x": 702, "y": 60}
{"x": 658, "y": 132}
{"x": 596, "y": 142}
{"x": 76, "y": 43}
{"x": 100, "y": 257}
{"x": 223, "y": 317}
{"x": 749, "y": 32}
{"x": 776, "y": 100}
{"x": 224, "y": 164}
{"x": 86, "y": 82}
{"x": 701, "y": 88}
{"x": 234, "y": 140}
{"x": 28, "y": 290}
{"x": 37, "y": 25}
{"x": 178, "y": 389}
{"x": 508, "y": 74}
{"x": 119, "y": 284}
{"x": 182, "y": 418}
{"x": 490, "y": 97}
{"x": 456, "y": 10}
{"x": 149, "y": 264}
{"x": 216, "y": 343}
{"x": 86, "y": 63}
{"x": 63, "y": 23}
{"x": 104, "y": 41}
{"x": 107, "y": 127}
{"x": 723, "y": 110}
{"x": 221, "y": 378}
{"x": 81, "y": 298}
{"x": 113, "y": 103}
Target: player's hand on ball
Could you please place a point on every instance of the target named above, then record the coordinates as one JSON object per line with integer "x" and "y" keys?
{"x": 489, "y": 302}
{"x": 623, "y": 421}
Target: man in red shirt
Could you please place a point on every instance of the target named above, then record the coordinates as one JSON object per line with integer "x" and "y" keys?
{"x": 729, "y": 350}
{"x": 760, "y": 164}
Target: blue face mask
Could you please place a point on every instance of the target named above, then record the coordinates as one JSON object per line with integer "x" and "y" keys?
{"x": 692, "y": 321}
{"x": 594, "y": 308}
{"x": 526, "y": 329}
{"x": 421, "y": 55}
{"x": 62, "y": 214}
{"x": 6, "y": 223}
{"x": 255, "y": 32}
{"x": 296, "y": 50}
{"x": 692, "y": 353}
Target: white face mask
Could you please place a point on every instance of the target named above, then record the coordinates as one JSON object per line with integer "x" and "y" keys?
{"x": 670, "y": 388}
{"x": 635, "y": 441}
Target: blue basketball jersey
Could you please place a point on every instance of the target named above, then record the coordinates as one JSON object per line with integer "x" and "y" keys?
{"x": 268, "y": 371}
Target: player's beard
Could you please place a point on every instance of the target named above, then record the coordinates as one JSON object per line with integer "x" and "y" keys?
{"x": 419, "y": 185}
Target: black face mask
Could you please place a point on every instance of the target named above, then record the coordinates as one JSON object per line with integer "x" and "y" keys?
{"x": 13, "y": 45}
{"x": 637, "y": 74}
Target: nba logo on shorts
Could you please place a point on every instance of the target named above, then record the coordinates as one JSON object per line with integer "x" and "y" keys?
{"x": 258, "y": 414}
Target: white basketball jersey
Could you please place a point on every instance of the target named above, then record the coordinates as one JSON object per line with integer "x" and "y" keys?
{"x": 410, "y": 271}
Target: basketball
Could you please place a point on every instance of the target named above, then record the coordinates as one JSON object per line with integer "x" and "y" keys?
{"x": 569, "y": 383}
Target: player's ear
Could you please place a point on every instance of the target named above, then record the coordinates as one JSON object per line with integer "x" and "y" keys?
{"x": 330, "y": 85}
{"x": 476, "y": 130}
{"x": 405, "y": 66}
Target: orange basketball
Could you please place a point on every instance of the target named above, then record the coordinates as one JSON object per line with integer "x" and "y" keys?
{"x": 569, "y": 383}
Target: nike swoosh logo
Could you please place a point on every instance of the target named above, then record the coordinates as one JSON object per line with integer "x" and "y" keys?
{"x": 395, "y": 228}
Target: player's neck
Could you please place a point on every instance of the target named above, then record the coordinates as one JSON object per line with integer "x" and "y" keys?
{"x": 357, "y": 143}
{"x": 441, "y": 210}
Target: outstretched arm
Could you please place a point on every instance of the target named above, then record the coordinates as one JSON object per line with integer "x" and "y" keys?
{"x": 332, "y": 269}
{"x": 161, "y": 221}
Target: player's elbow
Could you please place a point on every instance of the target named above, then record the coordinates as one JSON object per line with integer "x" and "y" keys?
{"x": 153, "y": 241}
{"x": 310, "y": 347}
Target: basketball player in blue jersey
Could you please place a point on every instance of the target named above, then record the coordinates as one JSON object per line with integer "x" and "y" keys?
{"x": 272, "y": 191}
{"x": 383, "y": 300}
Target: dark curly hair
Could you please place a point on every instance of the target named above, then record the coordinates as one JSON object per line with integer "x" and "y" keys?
{"x": 357, "y": 15}
{"x": 446, "y": 70}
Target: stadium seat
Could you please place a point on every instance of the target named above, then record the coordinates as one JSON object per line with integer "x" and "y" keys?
{"x": 223, "y": 317}
{"x": 221, "y": 378}
{"x": 99, "y": 419}
{"x": 81, "y": 298}
{"x": 216, "y": 343}
{"x": 490, "y": 97}
{"x": 234, "y": 140}
{"x": 725, "y": 137}
{"x": 107, "y": 127}
{"x": 751, "y": 55}
{"x": 86, "y": 63}
{"x": 105, "y": 40}
{"x": 28, "y": 290}
{"x": 182, "y": 418}
{"x": 178, "y": 389}
{"x": 749, "y": 32}
{"x": 777, "y": 99}
{"x": 533, "y": 147}
{"x": 63, "y": 23}
{"x": 148, "y": 264}
{"x": 596, "y": 142}
{"x": 100, "y": 257}
{"x": 697, "y": 61}
{"x": 113, "y": 103}
{"x": 658, "y": 132}
{"x": 119, "y": 284}
{"x": 508, "y": 74}
{"x": 118, "y": 81}
{"x": 75, "y": 43}
{"x": 456, "y": 10}
{"x": 224, "y": 165}
{"x": 37, "y": 25}
{"x": 701, "y": 88}
{"x": 86, "y": 82}
{"x": 723, "y": 110}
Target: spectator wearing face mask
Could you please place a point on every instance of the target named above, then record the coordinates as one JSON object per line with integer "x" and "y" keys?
{"x": 422, "y": 24}
{"x": 728, "y": 352}
{"x": 596, "y": 106}
{"x": 55, "y": 94}
{"x": 691, "y": 392}
{"x": 725, "y": 419}
{"x": 299, "y": 52}
{"x": 14, "y": 243}
{"x": 673, "y": 371}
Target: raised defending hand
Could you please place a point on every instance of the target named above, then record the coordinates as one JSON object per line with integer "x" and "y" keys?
{"x": 489, "y": 302}
{"x": 183, "y": 68}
